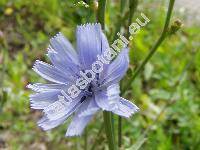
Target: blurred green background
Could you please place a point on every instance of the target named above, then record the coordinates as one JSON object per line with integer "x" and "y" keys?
{"x": 25, "y": 29}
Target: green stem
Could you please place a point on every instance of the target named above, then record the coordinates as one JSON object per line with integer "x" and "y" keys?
{"x": 156, "y": 45}
{"x": 119, "y": 131}
{"x": 101, "y": 13}
{"x": 132, "y": 9}
{"x": 109, "y": 130}
{"x": 122, "y": 6}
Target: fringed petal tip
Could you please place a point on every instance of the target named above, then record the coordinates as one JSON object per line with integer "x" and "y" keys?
{"x": 131, "y": 113}
{"x": 125, "y": 108}
{"x": 44, "y": 128}
{"x": 133, "y": 108}
{"x": 88, "y": 25}
{"x": 71, "y": 133}
{"x": 134, "y": 111}
{"x": 29, "y": 86}
{"x": 31, "y": 96}
{"x": 38, "y": 62}
{"x": 58, "y": 35}
{"x": 50, "y": 72}
{"x": 50, "y": 50}
{"x": 36, "y": 65}
{"x": 33, "y": 87}
{"x": 45, "y": 124}
{"x": 137, "y": 109}
{"x": 40, "y": 123}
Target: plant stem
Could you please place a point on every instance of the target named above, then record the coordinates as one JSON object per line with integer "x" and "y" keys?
{"x": 132, "y": 9}
{"x": 109, "y": 130}
{"x": 156, "y": 45}
{"x": 101, "y": 13}
{"x": 119, "y": 131}
{"x": 122, "y": 6}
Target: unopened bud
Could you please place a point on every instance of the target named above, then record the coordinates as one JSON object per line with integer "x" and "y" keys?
{"x": 177, "y": 24}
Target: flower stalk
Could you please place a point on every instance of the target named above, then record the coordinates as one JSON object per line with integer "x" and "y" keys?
{"x": 109, "y": 129}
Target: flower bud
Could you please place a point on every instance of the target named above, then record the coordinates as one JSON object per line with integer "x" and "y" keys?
{"x": 177, "y": 24}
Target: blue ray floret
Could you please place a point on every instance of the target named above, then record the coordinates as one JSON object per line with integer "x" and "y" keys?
{"x": 61, "y": 97}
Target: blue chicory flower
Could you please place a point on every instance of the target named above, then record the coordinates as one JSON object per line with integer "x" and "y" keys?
{"x": 101, "y": 93}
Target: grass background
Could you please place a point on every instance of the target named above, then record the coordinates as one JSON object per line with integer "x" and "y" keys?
{"x": 25, "y": 29}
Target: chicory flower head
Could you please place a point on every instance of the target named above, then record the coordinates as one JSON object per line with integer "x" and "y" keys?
{"x": 71, "y": 67}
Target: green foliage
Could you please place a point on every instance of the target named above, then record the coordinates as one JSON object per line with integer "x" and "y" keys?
{"x": 25, "y": 29}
